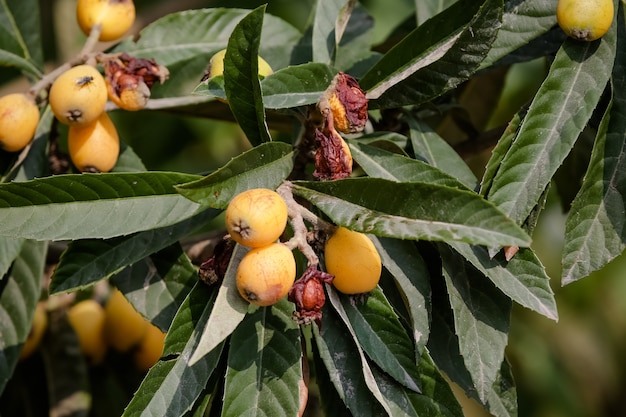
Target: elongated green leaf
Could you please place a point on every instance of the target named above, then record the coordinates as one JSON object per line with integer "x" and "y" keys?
{"x": 241, "y": 80}
{"x": 424, "y": 10}
{"x": 265, "y": 166}
{"x": 378, "y": 163}
{"x": 172, "y": 386}
{"x": 230, "y": 309}
{"x": 481, "y": 318}
{"x": 594, "y": 230}
{"x": 289, "y": 87}
{"x": 9, "y": 249}
{"x": 158, "y": 285}
{"x": 437, "y": 152}
{"x": 20, "y": 36}
{"x": 325, "y": 37}
{"x": 523, "y": 278}
{"x": 185, "y": 41}
{"x": 557, "y": 115}
{"x": 412, "y": 211}
{"x": 437, "y": 56}
{"x": 20, "y": 293}
{"x": 383, "y": 338}
{"x": 90, "y": 260}
{"x": 522, "y": 22}
{"x": 345, "y": 363}
{"x": 264, "y": 364}
{"x": 404, "y": 262}
{"x": 296, "y": 86}
{"x": 78, "y": 206}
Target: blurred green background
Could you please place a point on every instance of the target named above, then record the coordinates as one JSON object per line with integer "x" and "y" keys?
{"x": 572, "y": 368}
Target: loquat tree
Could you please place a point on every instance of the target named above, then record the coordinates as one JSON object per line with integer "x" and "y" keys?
{"x": 394, "y": 169}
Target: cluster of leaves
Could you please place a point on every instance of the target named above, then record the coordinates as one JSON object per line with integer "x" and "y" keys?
{"x": 444, "y": 302}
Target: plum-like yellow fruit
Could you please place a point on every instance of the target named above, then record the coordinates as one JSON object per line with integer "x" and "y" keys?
{"x": 37, "y": 331}
{"x": 216, "y": 65}
{"x": 585, "y": 20}
{"x": 115, "y": 16}
{"x": 149, "y": 349}
{"x": 94, "y": 147}
{"x": 78, "y": 96}
{"x": 352, "y": 258}
{"x": 124, "y": 327}
{"x": 256, "y": 217}
{"x": 87, "y": 318}
{"x": 265, "y": 275}
{"x": 19, "y": 116}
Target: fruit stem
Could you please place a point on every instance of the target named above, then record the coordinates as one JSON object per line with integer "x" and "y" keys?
{"x": 297, "y": 215}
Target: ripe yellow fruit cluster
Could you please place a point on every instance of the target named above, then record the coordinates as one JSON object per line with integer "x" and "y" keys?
{"x": 257, "y": 218}
{"x": 352, "y": 258}
{"x": 77, "y": 98}
{"x": 115, "y": 325}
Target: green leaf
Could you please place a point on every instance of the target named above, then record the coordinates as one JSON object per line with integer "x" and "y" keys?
{"x": 402, "y": 259}
{"x": 437, "y": 152}
{"x": 438, "y": 396}
{"x": 522, "y": 22}
{"x": 87, "y": 261}
{"x": 264, "y": 166}
{"x": 383, "y": 338}
{"x": 424, "y": 10}
{"x": 158, "y": 285}
{"x": 481, "y": 318}
{"x": 230, "y": 309}
{"x": 378, "y": 163}
{"x": 557, "y": 115}
{"x": 499, "y": 151}
{"x": 9, "y": 250}
{"x": 185, "y": 41}
{"x": 264, "y": 364}
{"x": 411, "y": 211}
{"x": 20, "y": 36}
{"x": 594, "y": 230}
{"x": 435, "y": 57}
{"x": 173, "y": 386}
{"x": 346, "y": 365}
{"x": 296, "y": 86}
{"x": 325, "y": 34}
{"x": 241, "y": 79}
{"x": 354, "y": 49}
{"x": 523, "y": 278}
{"x": 78, "y": 206}
{"x": 20, "y": 293}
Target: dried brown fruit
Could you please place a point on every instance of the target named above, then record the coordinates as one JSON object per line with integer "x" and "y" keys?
{"x": 130, "y": 79}
{"x": 333, "y": 159}
{"x": 347, "y": 103}
{"x": 308, "y": 295}
{"x": 212, "y": 270}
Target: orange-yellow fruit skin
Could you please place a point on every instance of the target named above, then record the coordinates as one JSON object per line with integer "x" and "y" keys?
{"x": 19, "y": 116}
{"x": 78, "y": 96}
{"x": 216, "y": 65}
{"x": 149, "y": 349}
{"x": 124, "y": 327}
{"x": 38, "y": 328}
{"x": 266, "y": 274}
{"x": 94, "y": 147}
{"x": 585, "y": 20}
{"x": 87, "y": 319}
{"x": 115, "y": 16}
{"x": 352, "y": 258}
{"x": 256, "y": 217}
